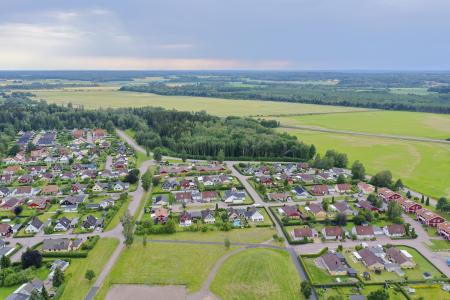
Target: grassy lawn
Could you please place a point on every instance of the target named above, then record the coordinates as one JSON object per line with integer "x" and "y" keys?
{"x": 422, "y": 166}
{"x": 165, "y": 264}
{"x": 257, "y": 274}
{"x": 345, "y": 292}
{"x": 116, "y": 219}
{"x": 244, "y": 235}
{"x": 386, "y": 122}
{"x": 94, "y": 98}
{"x": 77, "y": 286}
{"x": 317, "y": 274}
{"x": 439, "y": 245}
{"x": 427, "y": 290}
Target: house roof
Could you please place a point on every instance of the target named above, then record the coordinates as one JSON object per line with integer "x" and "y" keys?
{"x": 320, "y": 189}
{"x": 445, "y": 226}
{"x": 364, "y": 230}
{"x": 341, "y": 206}
{"x": 333, "y": 231}
{"x": 50, "y": 189}
{"x": 368, "y": 257}
{"x": 396, "y": 255}
{"x": 316, "y": 208}
{"x": 396, "y": 229}
{"x": 333, "y": 262}
{"x": 55, "y": 244}
{"x": 36, "y": 223}
{"x": 303, "y": 232}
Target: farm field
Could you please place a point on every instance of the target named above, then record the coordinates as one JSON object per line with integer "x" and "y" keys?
{"x": 107, "y": 97}
{"x": 77, "y": 286}
{"x": 379, "y": 122}
{"x": 424, "y": 167}
{"x": 163, "y": 264}
{"x": 257, "y": 274}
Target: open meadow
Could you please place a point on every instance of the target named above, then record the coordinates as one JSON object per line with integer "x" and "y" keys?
{"x": 110, "y": 97}
{"x": 380, "y": 122}
{"x": 257, "y": 274}
{"x": 163, "y": 264}
{"x": 422, "y": 166}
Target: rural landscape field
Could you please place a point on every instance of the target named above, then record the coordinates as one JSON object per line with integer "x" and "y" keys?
{"x": 225, "y": 150}
{"x": 423, "y": 166}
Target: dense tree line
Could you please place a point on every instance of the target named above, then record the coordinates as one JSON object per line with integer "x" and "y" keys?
{"x": 194, "y": 134}
{"x": 305, "y": 93}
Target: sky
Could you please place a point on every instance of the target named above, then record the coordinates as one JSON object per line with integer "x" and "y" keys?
{"x": 225, "y": 35}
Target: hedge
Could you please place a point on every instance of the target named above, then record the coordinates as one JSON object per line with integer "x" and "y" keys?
{"x": 75, "y": 254}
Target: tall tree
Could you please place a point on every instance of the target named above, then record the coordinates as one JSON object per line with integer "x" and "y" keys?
{"x": 358, "y": 171}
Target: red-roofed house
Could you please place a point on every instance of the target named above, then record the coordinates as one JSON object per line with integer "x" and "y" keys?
{"x": 429, "y": 218}
{"x": 319, "y": 190}
{"x": 444, "y": 229}
{"x": 388, "y": 195}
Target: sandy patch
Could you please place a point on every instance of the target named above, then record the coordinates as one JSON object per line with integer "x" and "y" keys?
{"x": 141, "y": 291}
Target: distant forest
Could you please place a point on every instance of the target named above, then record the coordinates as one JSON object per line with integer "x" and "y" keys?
{"x": 196, "y": 135}
{"x": 305, "y": 93}
{"x": 407, "y": 91}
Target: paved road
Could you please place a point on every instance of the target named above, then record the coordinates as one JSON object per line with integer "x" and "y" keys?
{"x": 108, "y": 164}
{"x": 380, "y": 135}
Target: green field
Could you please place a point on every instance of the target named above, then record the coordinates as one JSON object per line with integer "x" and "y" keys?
{"x": 77, "y": 286}
{"x": 424, "y": 167}
{"x": 246, "y": 235}
{"x": 165, "y": 264}
{"x": 383, "y": 122}
{"x": 108, "y": 97}
{"x": 257, "y": 274}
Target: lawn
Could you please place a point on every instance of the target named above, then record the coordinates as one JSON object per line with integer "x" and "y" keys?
{"x": 424, "y": 167}
{"x": 317, "y": 274}
{"x": 257, "y": 274}
{"x": 425, "y": 292}
{"x": 166, "y": 264}
{"x": 245, "y": 235}
{"x": 439, "y": 245}
{"x": 384, "y": 122}
{"x": 77, "y": 286}
{"x": 116, "y": 219}
{"x": 345, "y": 292}
{"x": 94, "y": 98}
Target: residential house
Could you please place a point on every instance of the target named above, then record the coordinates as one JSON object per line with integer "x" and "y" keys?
{"x": 209, "y": 196}
{"x": 333, "y": 232}
{"x": 70, "y": 203}
{"x": 387, "y": 195}
{"x": 24, "y": 191}
{"x": 4, "y": 192}
{"x": 26, "y": 290}
{"x": 429, "y": 218}
{"x": 394, "y": 230}
{"x": 170, "y": 184}
{"x": 6, "y": 179}
{"x": 254, "y": 215}
{"x": 60, "y": 244}
{"x": 184, "y": 197}
{"x": 343, "y": 188}
{"x": 281, "y": 197}
{"x": 234, "y": 196}
{"x": 185, "y": 219}
{"x": 334, "y": 264}
{"x": 208, "y": 216}
{"x": 409, "y": 206}
{"x": 25, "y": 179}
{"x": 306, "y": 178}
{"x": 92, "y": 222}
{"x": 58, "y": 264}
{"x": 34, "y": 226}
{"x": 363, "y": 232}
{"x": 161, "y": 215}
{"x": 11, "y": 203}
{"x": 187, "y": 184}
{"x": 319, "y": 190}
{"x": 370, "y": 260}
{"x": 50, "y": 190}
{"x": 317, "y": 210}
{"x": 363, "y": 204}
{"x": 266, "y": 180}
{"x": 365, "y": 188}
{"x": 100, "y": 187}
{"x": 398, "y": 257}
{"x": 160, "y": 200}
{"x": 300, "y": 192}
{"x": 290, "y": 212}
{"x": 120, "y": 186}
{"x": 444, "y": 229}
{"x": 109, "y": 202}
{"x": 342, "y": 207}
{"x": 78, "y": 188}
{"x": 304, "y": 232}
{"x": 5, "y": 229}
{"x": 63, "y": 224}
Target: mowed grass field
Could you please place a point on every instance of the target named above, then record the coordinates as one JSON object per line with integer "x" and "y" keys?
{"x": 379, "y": 122}
{"x": 111, "y": 97}
{"x": 424, "y": 167}
{"x": 163, "y": 264}
{"x": 257, "y": 274}
{"x": 77, "y": 286}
